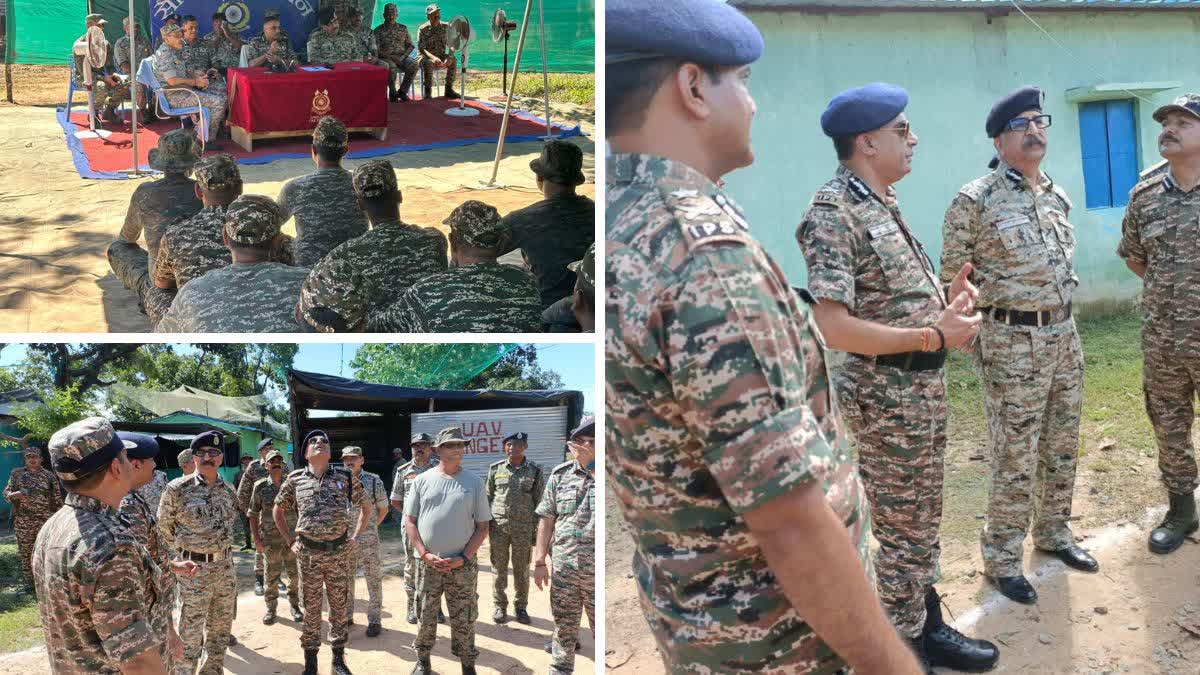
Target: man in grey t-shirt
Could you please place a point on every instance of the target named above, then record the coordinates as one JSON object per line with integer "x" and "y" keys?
{"x": 446, "y": 517}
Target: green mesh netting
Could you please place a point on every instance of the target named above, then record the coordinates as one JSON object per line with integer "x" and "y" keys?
{"x": 43, "y": 32}
{"x": 433, "y": 366}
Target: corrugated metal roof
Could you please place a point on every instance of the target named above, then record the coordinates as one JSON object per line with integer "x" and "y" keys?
{"x": 1083, "y": 5}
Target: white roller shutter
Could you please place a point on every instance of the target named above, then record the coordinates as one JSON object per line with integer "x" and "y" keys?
{"x": 486, "y": 430}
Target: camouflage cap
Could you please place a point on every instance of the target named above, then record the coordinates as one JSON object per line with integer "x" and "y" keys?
{"x": 33, "y": 451}
{"x": 478, "y": 225}
{"x": 374, "y": 179}
{"x": 354, "y": 11}
{"x": 81, "y": 449}
{"x": 169, "y": 29}
{"x": 352, "y": 451}
{"x": 330, "y": 133}
{"x": 272, "y": 455}
{"x": 95, "y": 19}
{"x": 334, "y": 299}
{"x": 217, "y": 171}
{"x": 253, "y": 219}
{"x": 184, "y": 457}
{"x": 430, "y": 9}
{"x": 1188, "y": 103}
{"x": 271, "y": 13}
{"x": 585, "y": 270}
{"x": 560, "y": 162}
{"x": 178, "y": 150}
{"x": 449, "y": 435}
{"x": 421, "y": 438}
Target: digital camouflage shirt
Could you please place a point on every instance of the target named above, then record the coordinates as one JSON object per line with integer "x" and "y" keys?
{"x": 259, "y": 46}
{"x": 393, "y": 39}
{"x": 322, "y": 503}
{"x": 488, "y": 297}
{"x": 514, "y": 491}
{"x": 261, "y": 503}
{"x": 432, "y": 38}
{"x": 326, "y": 212}
{"x": 240, "y": 298}
{"x": 718, "y": 403}
{"x": 376, "y": 495}
{"x": 154, "y": 206}
{"x": 190, "y": 248}
{"x": 120, "y": 55}
{"x": 336, "y": 48}
{"x": 570, "y": 498}
{"x": 41, "y": 493}
{"x": 196, "y": 515}
{"x": 403, "y": 476}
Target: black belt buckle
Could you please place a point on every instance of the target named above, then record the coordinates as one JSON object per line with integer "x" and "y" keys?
{"x": 323, "y": 545}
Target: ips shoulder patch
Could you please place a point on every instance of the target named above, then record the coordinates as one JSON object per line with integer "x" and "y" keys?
{"x": 706, "y": 220}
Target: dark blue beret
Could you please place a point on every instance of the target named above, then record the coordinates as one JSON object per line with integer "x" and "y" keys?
{"x": 1012, "y": 104}
{"x": 264, "y": 443}
{"x": 519, "y": 436}
{"x": 863, "y": 109}
{"x": 708, "y": 32}
{"x": 312, "y": 434}
{"x": 587, "y": 427}
{"x": 208, "y": 439}
{"x": 145, "y": 445}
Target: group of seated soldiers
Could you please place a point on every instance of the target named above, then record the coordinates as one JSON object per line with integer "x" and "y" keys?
{"x": 216, "y": 261}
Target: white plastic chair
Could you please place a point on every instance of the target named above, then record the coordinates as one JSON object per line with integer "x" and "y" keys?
{"x": 244, "y": 60}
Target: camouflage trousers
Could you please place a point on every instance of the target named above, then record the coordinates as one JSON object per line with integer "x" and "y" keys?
{"x": 410, "y": 562}
{"x": 277, "y": 559}
{"x": 367, "y": 557}
{"x": 427, "y": 71}
{"x": 213, "y": 100}
{"x": 130, "y": 263}
{"x": 462, "y": 600}
{"x": 898, "y": 422}
{"x": 1170, "y": 382}
{"x": 206, "y": 607}
{"x": 1033, "y": 395}
{"x": 517, "y": 538}
{"x": 401, "y": 63}
{"x": 105, "y": 96}
{"x": 26, "y": 528}
{"x": 323, "y": 577}
{"x": 572, "y": 592}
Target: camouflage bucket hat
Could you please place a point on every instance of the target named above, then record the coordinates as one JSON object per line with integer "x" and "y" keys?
{"x": 430, "y": 9}
{"x": 330, "y": 133}
{"x": 83, "y": 448}
{"x": 374, "y": 179}
{"x": 1188, "y": 103}
{"x": 478, "y": 225}
{"x": 585, "y": 270}
{"x": 169, "y": 29}
{"x": 217, "y": 171}
{"x": 178, "y": 150}
{"x": 560, "y": 162}
{"x": 273, "y": 454}
{"x": 253, "y": 219}
{"x": 332, "y": 300}
{"x": 449, "y": 435}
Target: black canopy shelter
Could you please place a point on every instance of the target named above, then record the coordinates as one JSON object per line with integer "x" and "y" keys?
{"x": 173, "y": 438}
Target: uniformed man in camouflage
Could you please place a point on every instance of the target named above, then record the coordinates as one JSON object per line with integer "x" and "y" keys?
{"x": 366, "y": 554}
{"x": 254, "y": 294}
{"x": 446, "y": 514}
{"x": 878, "y": 298}
{"x": 139, "y": 516}
{"x": 335, "y": 301}
{"x": 256, "y": 471}
{"x": 567, "y": 520}
{"x": 477, "y": 294}
{"x": 1011, "y": 227}
{"x": 431, "y": 42}
{"x": 99, "y": 590}
{"x": 422, "y": 461}
{"x": 326, "y": 536}
{"x": 514, "y": 489}
{"x": 152, "y": 491}
{"x": 243, "y": 462}
{"x": 109, "y": 90}
{"x": 152, "y": 208}
{"x": 172, "y": 70}
{"x": 323, "y": 202}
{"x": 196, "y": 520}
{"x": 390, "y": 257}
{"x": 269, "y": 545}
{"x": 725, "y": 448}
{"x": 368, "y": 49}
{"x": 396, "y": 47}
{"x": 187, "y": 464}
{"x": 1158, "y": 242}
{"x": 196, "y": 55}
{"x": 33, "y": 493}
{"x": 120, "y": 60}
{"x": 329, "y": 44}
{"x": 224, "y": 44}
{"x": 583, "y": 302}
{"x": 272, "y": 46}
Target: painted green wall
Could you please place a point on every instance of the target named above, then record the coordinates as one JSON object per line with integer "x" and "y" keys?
{"x": 248, "y": 439}
{"x": 955, "y": 65}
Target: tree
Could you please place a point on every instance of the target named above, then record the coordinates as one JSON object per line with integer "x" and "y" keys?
{"x": 40, "y": 420}
{"x": 82, "y": 365}
{"x": 453, "y": 366}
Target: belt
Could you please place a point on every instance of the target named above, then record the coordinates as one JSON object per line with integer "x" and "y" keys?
{"x": 331, "y": 545}
{"x": 203, "y": 557}
{"x": 910, "y": 360}
{"x": 1014, "y": 317}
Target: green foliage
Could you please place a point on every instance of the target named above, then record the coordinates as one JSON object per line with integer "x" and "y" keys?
{"x": 58, "y": 409}
{"x": 20, "y": 624}
{"x": 453, "y": 366}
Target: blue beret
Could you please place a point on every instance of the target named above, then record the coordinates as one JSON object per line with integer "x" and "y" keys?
{"x": 863, "y": 109}
{"x": 145, "y": 445}
{"x": 313, "y": 434}
{"x": 264, "y": 443}
{"x": 708, "y": 32}
{"x": 587, "y": 427}
{"x": 1012, "y": 104}
{"x": 208, "y": 439}
{"x": 519, "y": 436}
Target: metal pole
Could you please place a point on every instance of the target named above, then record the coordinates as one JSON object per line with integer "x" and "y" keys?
{"x": 511, "y": 89}
{"x": 133, "y": 84}
{"x": 545, "y": 73}
{"x": 503, "y": 72}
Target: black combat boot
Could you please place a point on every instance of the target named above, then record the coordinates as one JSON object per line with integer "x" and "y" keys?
{"x": 468, "y": 670}
{"x": 258, "y": 584}
{"x": 297, "y": 615}
{"x": 918, "y": 647}
{"x": 523, "y": 616}
{"x": 310, "y": 662}
{"x": 1179, "y": 523}
{"x": 422, "y": 667}
{"x": 338, "y": 666}
{"x": 947, "y": 647}
{"x": 269, "y": 617}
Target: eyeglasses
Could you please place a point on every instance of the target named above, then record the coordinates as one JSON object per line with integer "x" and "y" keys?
{"x": 904, "y": 129}
{"x": 1022, "y": 123}
{"x": 207, "y": 452}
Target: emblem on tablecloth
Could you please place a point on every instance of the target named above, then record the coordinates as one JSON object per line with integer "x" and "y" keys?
{"x": 321, "y": 105}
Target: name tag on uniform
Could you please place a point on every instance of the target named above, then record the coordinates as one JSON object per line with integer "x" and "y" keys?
{"x": 1154, "y": 229}
{"x": 702, "y": 230}
{"x": 1012, "y": 222}
{"x": 877, "y": 231}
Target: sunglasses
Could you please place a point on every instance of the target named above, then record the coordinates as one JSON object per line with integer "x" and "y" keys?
{"x": 207, "y": 452}
{"x": 904, "y": 129}
{"x": 1022, "y": 123}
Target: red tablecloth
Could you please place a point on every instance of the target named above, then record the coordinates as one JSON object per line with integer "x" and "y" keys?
{"x": 262, "y": 101}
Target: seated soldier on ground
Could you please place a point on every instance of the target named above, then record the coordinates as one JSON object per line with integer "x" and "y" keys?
{"x": 170, "y": 68}
{"x": 391, "y": 257}
{"x": 121, "y": 62}
{"x": 368, "y": 49}
{"x": 396, "y": 47}
{"x": 476, "y": 294}
{"x": 108, "y": 90}
{"x": 272, "y": 46}
{"x": 558, "y": 229}
{"x": 252, "y": 295}
{"x": 323, "y": 203}
{"x": 192, "y": 247}
{"x": 333, "y": 303}
{"x": 224, "y": 44}
{"x": 576, "y": 312}
{"x": 154, "y": 206}
{"x": 329, "y": 44}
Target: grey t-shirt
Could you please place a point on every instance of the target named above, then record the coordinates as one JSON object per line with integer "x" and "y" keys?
{"x": 446, "y": 509}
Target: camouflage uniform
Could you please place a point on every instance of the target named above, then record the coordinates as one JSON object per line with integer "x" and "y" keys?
{"x": 570, "y": 498}
{"x": 196, "y": 55}
{"x": 259, "y": 46}
{"x": 1021, "y": 244}
{"x": 339, "y": 47}
{"x": 196, "y": 519}
{"x": 401, "y": 479}
{"x": 322, "y": 526}
{"x": 366, "y": 554}
{"x": 255, "y": 471}
{"x": 325, "y": 211}
{"x": 860, "y": 253}
{"x": 105, "y": 96}
{"x": 718, "y": 402}
{"x": 276, "y": 554}
{"x": 1159, "y": 231}
{"x": 432, "y": 39}
{"x": 138, "y": 515}
{"x": 222, "y": 54}
{"x": 395, "y": 46}
{"x": 167, "y": 63}
{"x": 152, "y": 492}
{"x": 513, "y": 493}
{"x": 334, "y": 300}
{"x": 120, "y": 60}
{"x": 40, "y": 501}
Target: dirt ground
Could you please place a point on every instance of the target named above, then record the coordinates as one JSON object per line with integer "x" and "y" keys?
{"x": 512, "y": 648}
{"x": 55, "y": 226}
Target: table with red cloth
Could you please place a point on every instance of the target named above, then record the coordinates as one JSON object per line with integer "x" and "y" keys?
{"x": 265, "y": 104}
